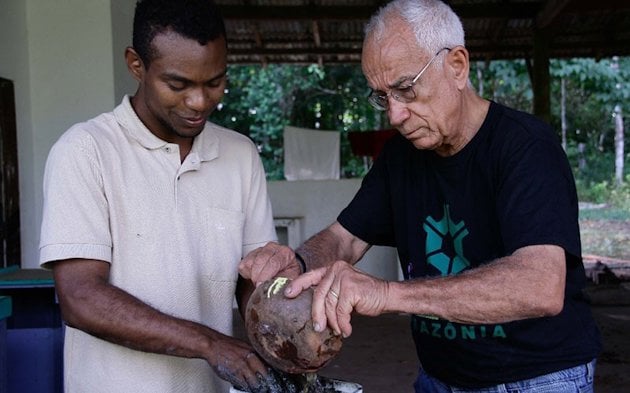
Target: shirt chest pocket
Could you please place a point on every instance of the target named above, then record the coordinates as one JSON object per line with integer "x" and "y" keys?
{"x": 221, "y": 243}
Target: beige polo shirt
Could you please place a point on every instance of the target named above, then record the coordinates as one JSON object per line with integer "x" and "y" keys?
{"x": 172, "y": 232}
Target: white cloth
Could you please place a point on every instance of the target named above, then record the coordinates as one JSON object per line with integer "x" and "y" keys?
{"x": 172, "y": 232}
{"x": 310, "y": 154}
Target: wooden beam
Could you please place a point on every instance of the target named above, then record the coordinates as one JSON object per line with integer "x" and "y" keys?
{"x": 317, "y": 40}
{"x": 258, "y": 39}
{"x": 477, "y": 51}
{"x": 302, "y": 12}
{"x": 316, "y": 37}
{"x": 550, "y": 11}
{"x": 502, "y": 10}
{"x": 315, "y": 12}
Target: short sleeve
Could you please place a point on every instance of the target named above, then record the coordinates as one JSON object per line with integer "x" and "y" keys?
{"x": 537, "y": 201}
{"x": 75, "y": 220}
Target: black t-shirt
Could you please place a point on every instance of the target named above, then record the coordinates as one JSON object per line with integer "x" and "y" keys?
{"x": 511, "y": 186}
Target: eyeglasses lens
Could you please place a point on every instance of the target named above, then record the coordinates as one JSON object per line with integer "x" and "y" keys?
{"x": 379, "y": 102}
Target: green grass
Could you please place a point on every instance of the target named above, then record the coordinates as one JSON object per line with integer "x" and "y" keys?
{"x": 605, "y": 213}
{"x": 606, "y": 232}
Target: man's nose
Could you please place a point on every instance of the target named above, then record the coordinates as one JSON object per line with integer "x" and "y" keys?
{"x": 198, "y": 99}
{"x": 397, "y": 112}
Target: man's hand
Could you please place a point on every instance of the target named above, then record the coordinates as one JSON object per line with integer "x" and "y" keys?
{"x": 339, "y": 290}
{"x": 268, "y": 262}
{"x": 236, "y": 362}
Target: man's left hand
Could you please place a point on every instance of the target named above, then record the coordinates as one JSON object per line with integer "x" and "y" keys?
{"x": 269, "y": 261}
{"x": 339, "y": 290}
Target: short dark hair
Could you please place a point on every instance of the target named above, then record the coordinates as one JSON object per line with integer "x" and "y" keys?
{"x": 199, "y": 20}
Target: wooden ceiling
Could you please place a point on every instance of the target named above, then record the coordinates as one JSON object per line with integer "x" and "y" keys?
{"x": 331, "y": 31}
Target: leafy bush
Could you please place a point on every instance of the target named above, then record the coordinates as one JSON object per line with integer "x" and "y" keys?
{"x": 620, "y": 195}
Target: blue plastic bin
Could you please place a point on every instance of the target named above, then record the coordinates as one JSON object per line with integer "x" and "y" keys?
{"x": 34, "y": 333}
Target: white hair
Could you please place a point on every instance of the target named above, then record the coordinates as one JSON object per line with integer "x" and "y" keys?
{"x": 433, "y": 23}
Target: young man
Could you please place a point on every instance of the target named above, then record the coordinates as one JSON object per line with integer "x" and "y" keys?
{"x": 480, "y": 202}
{"x": 147, "y": 211}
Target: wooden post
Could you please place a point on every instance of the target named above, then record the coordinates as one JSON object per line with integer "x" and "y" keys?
{"x": 563, "y": 111}
{"x": 9, "y": 191}
{"x": 540, "y": 77}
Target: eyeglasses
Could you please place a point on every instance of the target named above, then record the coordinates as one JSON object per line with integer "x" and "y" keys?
{"x": 405, "y": 94}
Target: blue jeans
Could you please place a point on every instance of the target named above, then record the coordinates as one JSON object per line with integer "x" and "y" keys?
{"x": 577, "y": 379}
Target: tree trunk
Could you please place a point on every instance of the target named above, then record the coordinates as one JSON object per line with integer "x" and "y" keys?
{"x": 582, "y": 156}
{"x": 618, "y": 145}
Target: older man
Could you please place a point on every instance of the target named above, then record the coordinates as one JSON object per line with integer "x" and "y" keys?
{"x": 480, "y": 202}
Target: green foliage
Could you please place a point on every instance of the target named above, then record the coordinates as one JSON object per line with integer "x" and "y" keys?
{"x": 592, "y": 192}
{"x": 616, "y": 197}
{"x": 593, "y": 89}
{"x": 260, "y": 101}
{"x": 503, "y": 81}
{"x": 620, "y": 195}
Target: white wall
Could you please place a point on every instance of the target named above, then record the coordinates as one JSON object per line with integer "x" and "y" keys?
{"x": 59, "y": 56}
{"x": 122, "y": 30}
{"x": 317, "y": 203}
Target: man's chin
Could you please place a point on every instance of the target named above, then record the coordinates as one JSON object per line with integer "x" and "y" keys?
{"x": 424, "y": 143}
{"x": 189, "y": 132}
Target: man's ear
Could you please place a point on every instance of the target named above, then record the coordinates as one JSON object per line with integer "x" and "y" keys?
{"x": 460, "y": 65}
{"x": 134, "y": 63}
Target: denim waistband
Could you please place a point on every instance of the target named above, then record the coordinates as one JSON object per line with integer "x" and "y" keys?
{"x": 578, "y": 379}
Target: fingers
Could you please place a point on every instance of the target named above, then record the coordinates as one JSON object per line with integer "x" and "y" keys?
{"x": 255, "y": 373}
{"x": 268, "y": 262}
{"x": 331, "y": 307}
{"x": 265, "y": 263}
{"x": 240, "y": 366}
{"x": 325, "y": 303}
{"x": 241, "y": 377}
{"x": 343, "y": 313}
{"x": 334, "y": 300}
{"x": 304, "y": 281}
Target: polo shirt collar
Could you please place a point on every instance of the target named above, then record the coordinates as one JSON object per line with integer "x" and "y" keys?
{"x": 205, "y": 145}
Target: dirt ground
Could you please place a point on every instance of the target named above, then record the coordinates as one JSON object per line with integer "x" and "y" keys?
{"x": 606, "y": 237}
{"x": 380, "y": 354}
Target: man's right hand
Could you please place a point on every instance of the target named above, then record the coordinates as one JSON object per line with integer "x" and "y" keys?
{"x": 269, "y": 261}
{"x": 236, "y": 362}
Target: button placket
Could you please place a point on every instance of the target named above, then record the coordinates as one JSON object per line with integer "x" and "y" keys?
{"x": 173, "y": 155}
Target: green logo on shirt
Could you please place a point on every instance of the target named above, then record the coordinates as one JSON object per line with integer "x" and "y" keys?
{"x": 454, "y": 331}
{"x": 444, "y": 247}
{"x": 445, "y": 252}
